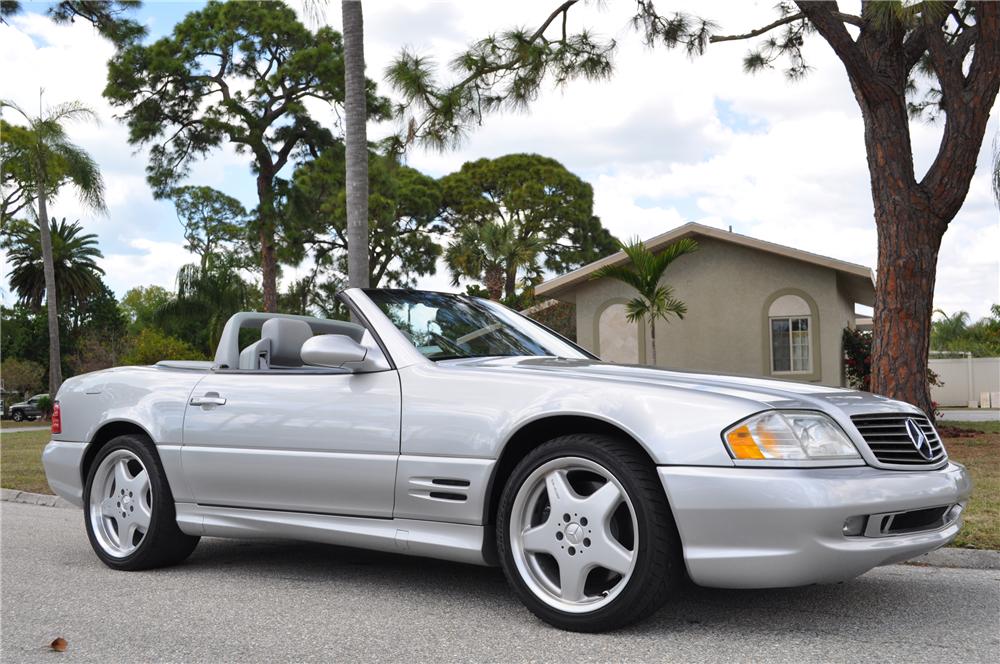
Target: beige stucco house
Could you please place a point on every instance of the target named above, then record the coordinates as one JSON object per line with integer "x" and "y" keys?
{"x": 754, "y": 308}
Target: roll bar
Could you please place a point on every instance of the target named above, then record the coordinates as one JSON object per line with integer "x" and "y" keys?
{"x": 227, "y": 355}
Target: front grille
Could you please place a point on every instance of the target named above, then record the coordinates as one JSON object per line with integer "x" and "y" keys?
{"x": 889, "y": 441}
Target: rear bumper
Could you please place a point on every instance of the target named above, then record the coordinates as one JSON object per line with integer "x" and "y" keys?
{"x": 778, "y": 527}
{"x": 62, "y": 461}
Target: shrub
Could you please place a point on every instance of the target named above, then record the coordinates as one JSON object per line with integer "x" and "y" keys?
{"x": 558, "y": 316}
{"x": 858, "y": 358}
{"x": 45, "y": 405}
{"x": 150, "y": 346}
{"x": 22, "y": 375}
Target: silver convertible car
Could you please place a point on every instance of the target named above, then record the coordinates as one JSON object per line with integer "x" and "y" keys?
{"x": 449, "y": 426}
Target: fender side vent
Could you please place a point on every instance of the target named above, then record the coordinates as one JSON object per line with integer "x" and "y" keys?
{"x": 448, "y": 482}
{"x": 446, "y": 495}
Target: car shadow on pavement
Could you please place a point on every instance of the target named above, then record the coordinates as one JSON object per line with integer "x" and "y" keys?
{"x": 892, "y": 598}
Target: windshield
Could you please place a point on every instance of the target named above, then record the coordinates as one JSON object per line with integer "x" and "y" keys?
{"x": 446, "y": 327}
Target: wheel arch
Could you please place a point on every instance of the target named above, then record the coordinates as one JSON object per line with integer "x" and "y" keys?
{"x": 526, "y": 438}
{"x": 104, "y": 434}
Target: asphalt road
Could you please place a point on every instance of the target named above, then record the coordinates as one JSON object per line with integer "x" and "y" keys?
{"x": 275, "y": 601}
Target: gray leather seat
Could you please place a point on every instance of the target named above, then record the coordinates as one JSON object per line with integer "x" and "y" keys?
{"x": 280, "y": 345}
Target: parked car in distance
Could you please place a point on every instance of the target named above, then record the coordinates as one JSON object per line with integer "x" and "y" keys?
{"x": 449, "y": 426}
{"x": 28, "y": 409}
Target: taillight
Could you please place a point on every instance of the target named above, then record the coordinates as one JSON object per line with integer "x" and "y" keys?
{"x": 56, "y": 418}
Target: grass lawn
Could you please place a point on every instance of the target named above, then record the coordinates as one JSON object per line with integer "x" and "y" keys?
{"x": 21, "y": 468}
{"x": 11, "y": 424}
{"x": 981, "y": 455}
{"x": 21, "y": 461}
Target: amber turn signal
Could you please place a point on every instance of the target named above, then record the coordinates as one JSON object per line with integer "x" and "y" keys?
{"x": 742, "y": 444}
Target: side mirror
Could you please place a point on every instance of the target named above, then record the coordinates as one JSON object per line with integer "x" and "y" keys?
{"x": 337, "y": 351}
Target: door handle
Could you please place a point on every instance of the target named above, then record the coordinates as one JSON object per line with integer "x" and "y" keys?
{"x": 209, "y": 399}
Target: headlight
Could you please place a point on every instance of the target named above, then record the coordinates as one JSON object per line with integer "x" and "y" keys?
{"x": 789, "y": 435}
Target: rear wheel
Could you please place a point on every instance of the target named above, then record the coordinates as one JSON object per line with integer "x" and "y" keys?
{"x": 586, "y": 536}
{"x": 130, "y": 515}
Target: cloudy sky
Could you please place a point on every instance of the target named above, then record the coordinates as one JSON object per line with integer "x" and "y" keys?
{"x": 666, "y": 141}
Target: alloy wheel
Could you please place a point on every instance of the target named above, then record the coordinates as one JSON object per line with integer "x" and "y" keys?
{"x": 121, "y": 503}
{"x": 573, "y": 534}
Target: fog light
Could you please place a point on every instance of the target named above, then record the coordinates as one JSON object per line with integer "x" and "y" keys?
{"x": 953, "y": 513}
{"x": 854, "y": 526}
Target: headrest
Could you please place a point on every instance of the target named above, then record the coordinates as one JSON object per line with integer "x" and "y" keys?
{"x": 287, "y": 336}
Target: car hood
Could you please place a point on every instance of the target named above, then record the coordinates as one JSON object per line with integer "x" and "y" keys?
{"x": 766, "y": 392}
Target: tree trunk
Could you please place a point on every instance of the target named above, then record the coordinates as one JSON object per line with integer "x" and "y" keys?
{"x": 51, "y": 297}
{"x": 904, "y": 301}
{"x": 652, "y": 338}
{"x": 909, "y": 237}
{"x": 510, "y": 283}
{"x": 265, "y": 234}
{"x": 493, "y": 280}
{"x": 356, "y": 143}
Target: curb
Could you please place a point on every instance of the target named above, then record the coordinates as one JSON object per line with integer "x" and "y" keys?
{"x": 27, "y": 498}
{"x": 962, "y": 558}
{"x": 948, "y": 557}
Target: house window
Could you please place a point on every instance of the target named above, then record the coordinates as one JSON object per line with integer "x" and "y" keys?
{"x": 791, "y": 335}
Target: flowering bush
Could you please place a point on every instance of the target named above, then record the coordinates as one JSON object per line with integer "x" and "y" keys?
{"x": 858, "y": 358}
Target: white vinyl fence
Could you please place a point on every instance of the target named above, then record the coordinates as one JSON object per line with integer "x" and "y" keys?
{"x": 967, "y": 381}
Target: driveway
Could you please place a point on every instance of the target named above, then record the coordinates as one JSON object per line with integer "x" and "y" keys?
{"x": 272, "y": 601}
{"x": 970, "y": 414}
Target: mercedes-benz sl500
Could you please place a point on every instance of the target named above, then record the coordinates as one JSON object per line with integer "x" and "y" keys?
{"x": 450, "y": 426}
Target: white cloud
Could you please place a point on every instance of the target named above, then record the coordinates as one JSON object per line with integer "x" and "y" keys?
{"x": 151, "y": 263}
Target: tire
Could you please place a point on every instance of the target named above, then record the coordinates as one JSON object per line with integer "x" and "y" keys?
{"x": 538, "y": 545}
{"x": 127, "y": 488}
{"x": 17, "y": 416}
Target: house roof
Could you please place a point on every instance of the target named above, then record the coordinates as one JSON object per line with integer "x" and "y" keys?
{"x": 553, "y": 287}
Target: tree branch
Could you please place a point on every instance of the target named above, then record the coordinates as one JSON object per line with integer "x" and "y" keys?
{"x": 846, "y": 18}
{"x": 947, "y": 67}
{"x": 561, "y": 9}
{"x": 286, "y": 150}
{"x": 486, "y": 71}
{"x": 759, "y": 31}
{"x": 863, "y": 77}
{"x": 945, "y": 185}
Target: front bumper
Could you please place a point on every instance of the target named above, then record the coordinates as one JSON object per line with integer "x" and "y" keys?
{"x": 62, "y": 461}
{"x": 778, "y": 527}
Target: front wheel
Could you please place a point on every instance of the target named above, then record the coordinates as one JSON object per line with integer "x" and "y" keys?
{"x": 130, "y": 515}
{"x": 17, "y": 416}
{"x": 586, "y": 536}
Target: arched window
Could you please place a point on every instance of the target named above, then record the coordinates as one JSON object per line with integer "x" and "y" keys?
{"x": 790, "y": 322}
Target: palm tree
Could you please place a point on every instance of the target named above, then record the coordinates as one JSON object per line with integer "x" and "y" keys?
{"x": 74, "y": 261}
{"x": 209, "y": 295}
{"x": 643, "y": 272}
{"x": 356, "y": 143}
{"x": 487, "y": 252}
{"x": 56, "y": 161}
{"x": 948, "y": 329}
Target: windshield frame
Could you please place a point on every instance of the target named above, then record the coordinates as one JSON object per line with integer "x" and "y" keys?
{"x": 535, "y": 331}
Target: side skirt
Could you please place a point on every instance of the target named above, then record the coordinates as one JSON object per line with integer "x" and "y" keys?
{"x": 431, "y": 539}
